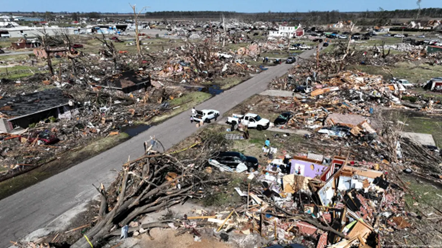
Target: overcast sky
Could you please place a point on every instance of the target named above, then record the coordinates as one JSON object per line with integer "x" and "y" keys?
{"x": 214, "y": 5}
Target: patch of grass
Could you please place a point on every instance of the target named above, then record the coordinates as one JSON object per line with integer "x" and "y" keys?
{"x": 425, "y": 125}
{"x": 228, "y": 196}
{"x": 229, "y": 82}
{"x": 420, "y": 124}
{"x": 235, "y": 47}
{"x": 428, "y": 94}
{"x": 414, "y": 73}
{"x": 378, "y": 42}
{"x": 14, "y": 57}
{"x": 185, "y": 103}
{"x": 70, "y": 158}
{"x": 17, "y": 72}
{"x": 425, "y": 193}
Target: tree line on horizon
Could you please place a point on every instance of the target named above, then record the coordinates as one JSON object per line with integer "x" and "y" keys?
{"x": 380, "y": 17}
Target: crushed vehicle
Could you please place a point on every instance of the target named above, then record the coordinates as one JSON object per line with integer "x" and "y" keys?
{"x": 234, "y": 161}
{"x": 205, "y": 115}
{"x": 283, "y": 118}
{"x": 435, "y": 84}
{"x": 250, "y": 120}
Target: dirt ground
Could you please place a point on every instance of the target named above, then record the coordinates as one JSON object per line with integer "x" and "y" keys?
{"x": 166, "y": 238}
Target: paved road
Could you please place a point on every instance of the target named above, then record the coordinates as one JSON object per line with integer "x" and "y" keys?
{"x": 39, "y": 205}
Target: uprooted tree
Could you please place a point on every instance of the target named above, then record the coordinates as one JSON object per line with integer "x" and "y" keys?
{"x": 153, "y": 182}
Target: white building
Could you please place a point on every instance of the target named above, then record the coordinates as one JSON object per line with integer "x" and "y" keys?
{"x": 287, "y": 31}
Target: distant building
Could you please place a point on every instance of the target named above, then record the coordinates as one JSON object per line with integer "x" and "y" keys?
{"x": 287, "y": 31}
{"x": 25, "y": 43}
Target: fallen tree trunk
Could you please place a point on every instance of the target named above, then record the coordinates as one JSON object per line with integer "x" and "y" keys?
{"x": 153, "y": 182}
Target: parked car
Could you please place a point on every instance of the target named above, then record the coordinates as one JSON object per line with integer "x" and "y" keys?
{"x": 46, "y": 138}
{"x": 421, "y": 36}
{"x": 77, "y": 46}
{"x": 341, "y": 36}
{"x": 283, "y": 118}
{"x": 205, "y": 115}
{"x": 356, "y": 36}
{"x": 305, "y": 47}
{"x": 399, "y": 36}
{"x": 1, "y": 51}
{"x": 250, "y": 120}
{"x": 295, "y": 46}
{"x": 231, "y": 161}
{"x": 403, "y": 82}
{"x": 290, "y": 60}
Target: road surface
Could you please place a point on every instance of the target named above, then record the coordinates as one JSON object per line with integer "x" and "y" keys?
{"x": 39, "y": 205}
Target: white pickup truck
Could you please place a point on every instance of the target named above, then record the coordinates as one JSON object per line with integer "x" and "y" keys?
{"x": 205, "y": 115}
{"x": 250, "y": 120}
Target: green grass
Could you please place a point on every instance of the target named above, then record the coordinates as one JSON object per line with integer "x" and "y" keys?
{"x": 414, "y": 73}
{"x": 227, "y": 195}
{"x": 234, "y": 47}
{"x": 378, "y": 42}
{"x": 229, "y": 82}
{"x": 418, "y": 123}
{"x": 11, "y": 58}
{"x": 425, "y": 125}
{"x": 185, "y": 102}
{"x": 70, "y": 158}
{"x": 17, "y": 72}
{"x": 425, "y": 194}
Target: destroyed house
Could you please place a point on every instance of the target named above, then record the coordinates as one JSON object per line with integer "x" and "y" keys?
{"x": 23, "y": 110}
{"x": 25, "y": 43}
{"x": 127, "y": 81}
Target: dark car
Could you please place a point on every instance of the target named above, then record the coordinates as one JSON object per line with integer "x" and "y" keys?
{"x": 290, "y": 60}
{"x": 115, "y": 38}
{"x": 77, "y": 46}
{"x": 277, "y": 61}
{"x": 1, "y": 51}
{"x": 283, "y": 118}
{"x": 232, "y": 159}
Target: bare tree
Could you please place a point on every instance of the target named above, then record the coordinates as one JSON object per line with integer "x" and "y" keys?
{"x": 44, "y": 38}
{"x": 110, "y": 50}
{"x": 153, "y": 182}
{"x": 137, "y": 37}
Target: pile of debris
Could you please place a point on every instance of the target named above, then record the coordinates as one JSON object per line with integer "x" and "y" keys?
{"x": 308, "y": 199}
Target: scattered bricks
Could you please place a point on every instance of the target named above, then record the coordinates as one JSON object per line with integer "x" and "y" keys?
{"x": 322, "y": 243}
{"x": 306, "y": 229}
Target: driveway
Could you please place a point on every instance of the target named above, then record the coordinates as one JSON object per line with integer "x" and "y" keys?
{"x": 39, "y": 205}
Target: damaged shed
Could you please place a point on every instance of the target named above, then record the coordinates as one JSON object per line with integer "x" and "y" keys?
{"x": 23, "y": 110}
{"x": 127, "y": 81}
